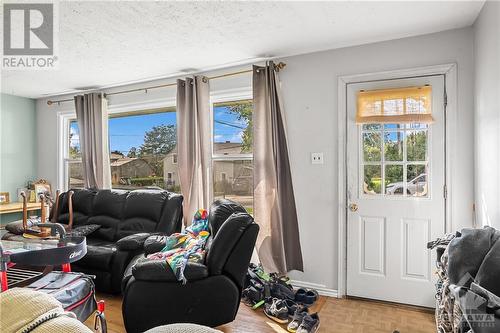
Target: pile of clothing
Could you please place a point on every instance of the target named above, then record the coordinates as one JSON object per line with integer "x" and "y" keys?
{"x": 468, "y": 286}
{"x": 186, "y": 246}
{"x": 280, "y": 301}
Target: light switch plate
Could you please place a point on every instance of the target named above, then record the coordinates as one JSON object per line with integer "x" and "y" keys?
{"x": 317, "y": 158}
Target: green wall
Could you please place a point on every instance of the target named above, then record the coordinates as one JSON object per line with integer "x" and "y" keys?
{"x": 17, "y": 146}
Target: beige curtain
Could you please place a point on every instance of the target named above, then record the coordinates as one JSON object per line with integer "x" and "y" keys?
{"x": 278, "y": 243}
{"x": 193, "y": 145}
{"x": 398, "y": 105}
{"x": 92, "y": 116}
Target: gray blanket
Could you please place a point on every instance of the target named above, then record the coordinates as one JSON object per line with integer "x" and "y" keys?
{"x": 474, "y": 275}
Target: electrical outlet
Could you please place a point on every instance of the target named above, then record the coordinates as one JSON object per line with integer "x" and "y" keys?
{"x": 317, "y": 158}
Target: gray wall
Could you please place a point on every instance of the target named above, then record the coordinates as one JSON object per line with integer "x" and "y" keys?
{"x": 18, "y": 157}
{"x": 310, "y": 96}
{"x": 487, "y": 114}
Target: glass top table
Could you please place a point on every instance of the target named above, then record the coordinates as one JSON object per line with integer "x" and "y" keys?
{"x": 49, "y": 252}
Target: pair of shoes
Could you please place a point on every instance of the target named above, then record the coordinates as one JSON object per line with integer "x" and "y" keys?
{"x": 277, "y": 310}
{"x": 297, "y": 318}
{"x": 281, "y": 290}
{"x": 304, "y": 323}
{"x": 294, "y": 307}
{"x": 306, "y": 296}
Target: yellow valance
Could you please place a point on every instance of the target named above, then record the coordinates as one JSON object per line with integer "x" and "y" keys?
{"x": 400, "y": 105}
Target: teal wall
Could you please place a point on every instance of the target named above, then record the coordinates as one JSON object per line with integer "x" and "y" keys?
{"x": 17, "y": 146}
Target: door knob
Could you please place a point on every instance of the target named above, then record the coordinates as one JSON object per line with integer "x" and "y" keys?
{"x": 353, "y": 207}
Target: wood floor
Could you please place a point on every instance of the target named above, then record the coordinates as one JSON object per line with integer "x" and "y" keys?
{"x": 337, "y": 316}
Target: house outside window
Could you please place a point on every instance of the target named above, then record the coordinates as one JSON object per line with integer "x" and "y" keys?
{"x": 140, "y": 142}
{"x": 232, "y": 152}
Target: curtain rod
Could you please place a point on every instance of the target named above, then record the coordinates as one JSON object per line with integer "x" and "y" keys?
{"x": 278, "y": 67}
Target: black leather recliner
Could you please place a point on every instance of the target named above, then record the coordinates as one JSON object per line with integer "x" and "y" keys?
{"x": 126, "y": 219}
{"x": 154, "y": 297}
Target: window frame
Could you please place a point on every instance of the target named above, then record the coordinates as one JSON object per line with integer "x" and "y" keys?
{"x": 64, "y": 118}
{"x": 242, "y": 94}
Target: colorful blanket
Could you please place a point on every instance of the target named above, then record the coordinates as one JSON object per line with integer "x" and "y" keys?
{"x": 188, "y": 246}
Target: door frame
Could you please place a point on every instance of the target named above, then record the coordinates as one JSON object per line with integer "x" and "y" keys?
{"x": 449, "y": 72}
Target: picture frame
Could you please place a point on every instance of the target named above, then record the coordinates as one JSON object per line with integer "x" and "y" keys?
{"x": 31, "y": 196}
{"x": 4, "y": 198}
{"x": 41, "y": 187}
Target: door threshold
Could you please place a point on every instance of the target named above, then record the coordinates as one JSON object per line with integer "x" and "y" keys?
{"x": 393, "y": 304}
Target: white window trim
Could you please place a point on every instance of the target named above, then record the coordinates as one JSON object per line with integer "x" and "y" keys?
{"x": 64, "y": 118}
{"x": 174, "y": 158}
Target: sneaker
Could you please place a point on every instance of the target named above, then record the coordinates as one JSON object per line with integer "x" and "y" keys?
{"x": 293, "y": 307}
{"x": 310, "y": 324}
{"x": 297, "y": 319}
{"x": 276, "y": 310}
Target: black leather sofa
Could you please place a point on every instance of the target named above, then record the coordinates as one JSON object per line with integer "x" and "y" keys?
{"x": 153, "y": 296}
{"x": 126, "y": 219}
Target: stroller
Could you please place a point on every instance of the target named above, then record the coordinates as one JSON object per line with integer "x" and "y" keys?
{"x": 75, "y": 291}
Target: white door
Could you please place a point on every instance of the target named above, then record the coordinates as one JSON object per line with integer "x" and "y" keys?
{"x": 396, "y": 198}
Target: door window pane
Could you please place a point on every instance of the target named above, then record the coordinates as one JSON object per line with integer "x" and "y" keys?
{"x": 232, "y": 128}
{"x": 372, "y": 127}
{"x": 372, "y": 179}
{"x": 393, "y": 145}
{"x": 403, "y": 159}
{"x": 371, "y": 146}
{"x": 417, "y": 180}
{"x": 394, "y": 179}
{"x": 234, "y": 180}
{"x": 393, "y": 126}
{"x": 416, "y": 145}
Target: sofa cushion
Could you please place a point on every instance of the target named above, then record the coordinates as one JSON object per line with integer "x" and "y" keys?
{"x": 159, "y": 270}
{"x": 147, "y": 204}
{"x": 135, "y": 225}
{"x": 171, "y": 217}
{"x": 219, "y": 212}
{"x": 108, "y": 228}
{"x": 132, "y": 242}
{"x": 83, "y": 200}
{"x": 110, "y": 203}
{"x": 225, "y": 240}
{"x": 84, "y": 230}
{"x": 99, "y": 255}
{"x": 78, "y": 219}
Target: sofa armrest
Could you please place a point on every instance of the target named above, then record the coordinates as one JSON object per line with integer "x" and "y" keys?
{"x": 154, "y": 244}
{"x": 133, "y": 242}
{"x": 159, "y": 270}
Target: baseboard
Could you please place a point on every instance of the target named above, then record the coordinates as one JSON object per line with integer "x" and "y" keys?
{"x": 320, "y": 288}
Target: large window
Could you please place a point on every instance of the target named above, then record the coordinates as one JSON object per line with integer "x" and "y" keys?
{"x": 232, "y": 152}
{"x": 143, "y": 151}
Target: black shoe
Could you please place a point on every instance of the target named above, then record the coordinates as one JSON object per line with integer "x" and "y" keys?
{"x": 310, "y": 324}
{"x": 306, "y": 296}
{"x": 297, "y": 319}
{"x": 276, "y": 310}
{"x": 293, "y": 307}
